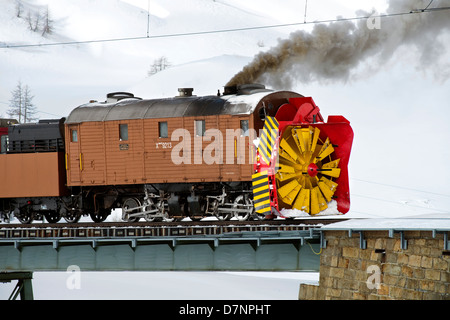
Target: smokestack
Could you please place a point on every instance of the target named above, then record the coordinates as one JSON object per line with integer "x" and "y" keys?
{"x": 331, "y": 51}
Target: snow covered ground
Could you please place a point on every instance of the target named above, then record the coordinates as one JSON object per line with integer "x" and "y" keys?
{"x": 168, "y": 285}
{"x": 399, "y": 110}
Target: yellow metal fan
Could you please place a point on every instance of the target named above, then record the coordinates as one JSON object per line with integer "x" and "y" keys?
{"x": 306, "y": 170}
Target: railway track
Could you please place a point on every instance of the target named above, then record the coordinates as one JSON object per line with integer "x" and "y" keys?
{"x": 112, "y": 224}
{"x": 154, "y": 229}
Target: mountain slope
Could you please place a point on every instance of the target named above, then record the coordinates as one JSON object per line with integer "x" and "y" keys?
{"x": 72, "y": 74}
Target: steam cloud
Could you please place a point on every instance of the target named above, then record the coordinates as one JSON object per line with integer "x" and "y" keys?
{"x": 331, "y": 51}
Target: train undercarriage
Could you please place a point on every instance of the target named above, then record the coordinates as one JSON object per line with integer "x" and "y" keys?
{"x": 151, "y": 202}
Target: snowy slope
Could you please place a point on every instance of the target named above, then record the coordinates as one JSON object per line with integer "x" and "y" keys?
{"x": 62, "y": 77}
{"x": 77, "y": 73}
{"x": 218, "y": 70}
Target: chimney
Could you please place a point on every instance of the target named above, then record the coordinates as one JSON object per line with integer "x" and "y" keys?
{"x": 117, "y": 96}
{"x": 185, "y": 92}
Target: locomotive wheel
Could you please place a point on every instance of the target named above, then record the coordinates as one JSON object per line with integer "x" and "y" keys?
{"x": 72, "y": 216}
{"x": 100, "y": 216}
{"x": 306, "y": 170}
{"x": 52, "y": 217}
{"x": 128, "y": 204}
{"x": 160, "y": 207}
{"x": 241, "y": 202}
{"x": 25, "y": 216}
{"x": 223, "y": 216}
{"x": 257, "y": 216}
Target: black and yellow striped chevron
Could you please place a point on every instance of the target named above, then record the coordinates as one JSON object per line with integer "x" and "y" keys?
{"x": 267, "y": 138}
{"x": 261, "y": 192}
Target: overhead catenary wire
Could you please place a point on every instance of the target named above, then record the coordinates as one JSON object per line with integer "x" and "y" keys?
{"x": 401, "y": 187}
{"x": 399, "y": 203}
{"x": 423, "y": 9}
{"x": 206, "y": 32}
{"x": 38, "y": 111}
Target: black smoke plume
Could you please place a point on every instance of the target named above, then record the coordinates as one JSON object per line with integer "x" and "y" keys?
{"x": 331, "y": 51}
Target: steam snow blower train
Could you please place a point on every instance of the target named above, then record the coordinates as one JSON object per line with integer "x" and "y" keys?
{"x": 247, "y": 153}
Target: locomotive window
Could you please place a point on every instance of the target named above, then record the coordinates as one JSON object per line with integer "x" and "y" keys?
{"x": 123, "y": 132}
{"x": 262, "y": 113}
{"x": 200, "y": 128}
{"x": 244, "y": 128}
{"x": 4, "y": 147}
{"x": 74, "y": 135}
{"x": 163, "y": 129}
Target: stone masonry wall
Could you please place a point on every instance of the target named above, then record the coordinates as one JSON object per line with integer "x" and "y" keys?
{"x": 383, "y": 270}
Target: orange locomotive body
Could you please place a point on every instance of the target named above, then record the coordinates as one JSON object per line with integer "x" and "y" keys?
{"x": 139, "y": 141}
{"x": 184, "y": 151}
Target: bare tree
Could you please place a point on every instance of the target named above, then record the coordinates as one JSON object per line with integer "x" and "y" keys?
{"x": 19, "y": 8}
{"x": 158, "y": 65}
{"x": 38, "y": 20}
{"x": 30, "y": 109}
{"x": 48, "y": 23}
{"x": 21, "y": 104}
{"x": 33, "y": 20}
{"x": 15, "y": 104}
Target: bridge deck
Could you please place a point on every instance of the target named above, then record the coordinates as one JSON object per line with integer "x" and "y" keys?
{"x": 246, "y": 245}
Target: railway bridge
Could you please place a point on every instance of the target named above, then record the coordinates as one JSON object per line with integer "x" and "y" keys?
{"x": 203, "y": 245}
{"x": 280, "y": 245}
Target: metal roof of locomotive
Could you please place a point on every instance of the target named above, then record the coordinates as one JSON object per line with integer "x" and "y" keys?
{"x": 128, "y": 109}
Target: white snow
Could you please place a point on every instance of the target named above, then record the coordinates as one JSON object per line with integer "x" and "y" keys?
{"x": 168, "y": 285}
{"x": 399, "y": 113}
{"x": 427, "y": 222}
{"x": 295, "y": 213}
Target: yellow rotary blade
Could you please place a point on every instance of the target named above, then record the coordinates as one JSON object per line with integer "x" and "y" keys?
{"x": 326, "y": 190}
{"x": 297, "y": 136}
{"x": 285, "y": 172}
{"x": 315, "y": 209}
{"x": 284, "y": 143}
{"x": 305, "y": 178}
{"x": 331, "y": 164}
{"x": 315, "y": 138}
{"x": 286, "y": 168}
{"x": 284, "y": 155}
{"x": 333, "y": 172}
{"x": 286, "y": 190}
{"x": 302, "y": 201}
{"x": 331, "y": 185}
{"x": 326, "y": 149}
{"x": 282, "y": 177}
{"x": 331, "y": 169}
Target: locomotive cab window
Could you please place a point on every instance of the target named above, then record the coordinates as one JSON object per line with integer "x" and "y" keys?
{"x": 74, "y": 135}
{"x": 163, "y": 129}
{"x": 244, "y": 128}
{"x": 123, "y": 132}
{"x": 262, "y": 113}
{"x": 4, "y": 141}
{"x": 200, "y": 128}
